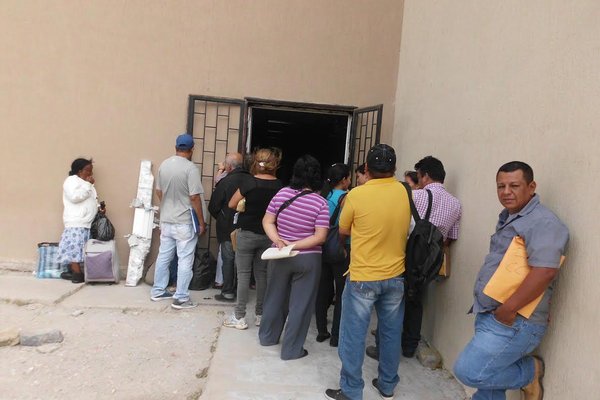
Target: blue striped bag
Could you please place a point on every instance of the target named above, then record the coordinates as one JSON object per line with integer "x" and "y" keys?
{"x": 47, "y": 266}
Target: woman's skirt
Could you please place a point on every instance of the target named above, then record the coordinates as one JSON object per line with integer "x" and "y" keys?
{"x": 72, "y": 242}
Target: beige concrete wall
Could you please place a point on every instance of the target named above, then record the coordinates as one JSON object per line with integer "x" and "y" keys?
{"x": 110, "y": 80}
{"x": 482, "y": 83}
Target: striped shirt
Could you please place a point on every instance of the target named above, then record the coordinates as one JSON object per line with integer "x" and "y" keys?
{"x": 445, "y": 209}
{"x": 299, "y": 219}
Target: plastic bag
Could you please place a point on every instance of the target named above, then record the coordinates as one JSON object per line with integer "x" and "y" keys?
{"x": 47, "y": 266}
{"x": 102, "y": 228}
{"x": 204, "y": 270}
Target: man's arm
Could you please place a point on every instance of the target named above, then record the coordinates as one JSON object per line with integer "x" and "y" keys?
{"x": 534, "y": 284}
{"x": 159, "y": 195}
{"x": 197, "y": 206}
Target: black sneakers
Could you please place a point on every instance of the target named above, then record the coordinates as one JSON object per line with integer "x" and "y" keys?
{"x": 333, "y": 394}
{"x": 321, "y": 337}
{"x": 384, "y": 396}
{"x": 225, "y": 298}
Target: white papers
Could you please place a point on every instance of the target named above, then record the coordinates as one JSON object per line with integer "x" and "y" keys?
{"x": 274, "y": 253}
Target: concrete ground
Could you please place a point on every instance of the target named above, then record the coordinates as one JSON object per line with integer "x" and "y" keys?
{"x": 120, "y": 345}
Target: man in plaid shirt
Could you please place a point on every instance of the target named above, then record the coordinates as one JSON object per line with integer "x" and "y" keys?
{"x": 445, "y": 215}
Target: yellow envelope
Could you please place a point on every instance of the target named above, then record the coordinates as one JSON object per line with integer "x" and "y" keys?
{"x": 510, "y": 274}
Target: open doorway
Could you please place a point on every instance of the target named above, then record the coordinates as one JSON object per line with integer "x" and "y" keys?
{"x": 331, "y": 133}
{"x": 297, "y": 132}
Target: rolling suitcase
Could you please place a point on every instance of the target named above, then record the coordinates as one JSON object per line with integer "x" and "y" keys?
{"x": 101, "y": 263}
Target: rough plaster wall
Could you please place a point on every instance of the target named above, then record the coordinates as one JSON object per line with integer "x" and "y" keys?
{"x": 482, "y": 83}
{"x": 110, "y": 80}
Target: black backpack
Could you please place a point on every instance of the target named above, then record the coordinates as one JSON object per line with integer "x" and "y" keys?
{"x": 333, "y": 250}
{"x": 424, "y": 249}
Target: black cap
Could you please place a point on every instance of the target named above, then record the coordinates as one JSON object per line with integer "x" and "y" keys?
{"x": 381, "y": 158}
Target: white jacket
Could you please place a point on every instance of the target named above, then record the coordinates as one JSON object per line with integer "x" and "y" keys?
{"x": 79, "y": 199}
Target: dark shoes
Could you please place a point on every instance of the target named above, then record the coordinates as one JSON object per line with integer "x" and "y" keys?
{"x": 321, "y": 337}
{"x": 333, "y": 342}
{"x": 384, "y": 396}
{"x": 67, "y": 275}
{"x": 333, "y": 394}
{"x": 409, "y": 353}
{"x": 74, "y": 277}
{"x": 77, "y": 278}
{"x": 222, "y": 297}
{"x": 373, "y": 352}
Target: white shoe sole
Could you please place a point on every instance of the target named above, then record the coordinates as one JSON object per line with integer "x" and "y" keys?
{"x": 236, "y": 326}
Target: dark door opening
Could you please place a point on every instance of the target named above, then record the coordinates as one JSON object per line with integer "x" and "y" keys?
{"x": 331, "y": 133}
{"x": 322, "y": 135}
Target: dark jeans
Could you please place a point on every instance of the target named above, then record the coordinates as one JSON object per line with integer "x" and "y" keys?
{"x": 331, "y": 284}
{"x": 413, "y": 316}
{"x": 228, "y": 257}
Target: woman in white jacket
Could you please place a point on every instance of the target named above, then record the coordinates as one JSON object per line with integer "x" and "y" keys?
{"x": 80, "y": 209}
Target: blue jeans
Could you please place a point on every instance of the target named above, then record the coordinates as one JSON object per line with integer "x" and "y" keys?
{"x": 496, "y": 359}
{"x": 358, "y": 300}
{"x": 180, "y": 238}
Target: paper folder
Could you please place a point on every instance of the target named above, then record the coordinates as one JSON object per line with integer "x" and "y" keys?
{"x": 274, "y": 253}
{"x": 510, "y": 274}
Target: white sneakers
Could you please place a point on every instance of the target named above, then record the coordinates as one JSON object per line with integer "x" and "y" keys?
{"x": 232, "y": 322}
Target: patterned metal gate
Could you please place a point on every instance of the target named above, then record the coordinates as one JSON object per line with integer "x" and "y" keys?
{"x": 217, "y": 125}
{"x": 365, "y": 132}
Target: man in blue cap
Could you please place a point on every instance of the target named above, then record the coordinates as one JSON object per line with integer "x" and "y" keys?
{"x": 179, "y": 189}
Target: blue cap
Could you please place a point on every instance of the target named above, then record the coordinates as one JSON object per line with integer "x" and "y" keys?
{"x": 184, "y": 142}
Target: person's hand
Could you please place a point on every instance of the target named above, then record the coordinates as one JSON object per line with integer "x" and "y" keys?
{"x": 201, "y": 229}
{"x": 504, "y": 315}
{"x": 280, "y": 243}
{"x": 90, "y": 179}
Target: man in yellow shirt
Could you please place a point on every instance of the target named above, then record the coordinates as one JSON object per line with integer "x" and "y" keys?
{"x": 377, "y": 216}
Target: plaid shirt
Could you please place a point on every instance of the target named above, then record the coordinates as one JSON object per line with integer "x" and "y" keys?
{"x": 445, "y": 209}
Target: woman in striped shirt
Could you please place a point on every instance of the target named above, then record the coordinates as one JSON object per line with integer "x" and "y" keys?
{"x": 293, "y": 282}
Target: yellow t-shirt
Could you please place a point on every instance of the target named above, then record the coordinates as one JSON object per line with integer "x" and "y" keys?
{"x": 378, "y": 217}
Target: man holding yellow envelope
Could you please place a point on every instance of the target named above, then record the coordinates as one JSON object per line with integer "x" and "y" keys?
{"x": 512, "y": 292}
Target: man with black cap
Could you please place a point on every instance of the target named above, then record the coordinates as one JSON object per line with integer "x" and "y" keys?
{"x": 179, "y": 189}
{"x": 377, "y": 216}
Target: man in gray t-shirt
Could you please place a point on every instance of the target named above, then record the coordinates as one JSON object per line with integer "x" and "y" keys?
{"x": 494, "y": 360}
{"x": 180, "y": 191}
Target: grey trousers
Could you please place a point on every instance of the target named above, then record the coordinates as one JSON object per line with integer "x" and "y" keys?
{"x": 250, "y": 247}
{"x": 291, "y": 292}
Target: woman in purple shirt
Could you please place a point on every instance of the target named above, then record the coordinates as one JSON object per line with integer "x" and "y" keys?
{"x": 293, "y": 282}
